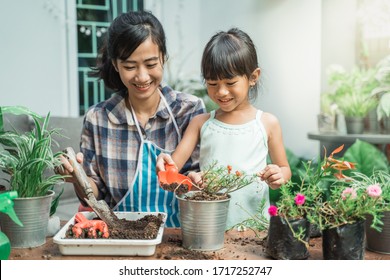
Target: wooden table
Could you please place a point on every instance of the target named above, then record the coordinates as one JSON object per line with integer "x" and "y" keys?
{"x": 238, "y": 246}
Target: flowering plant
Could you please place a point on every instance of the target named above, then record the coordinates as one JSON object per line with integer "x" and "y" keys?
{"x": 299, "y": 201}
{"x": 218, "y": 179}
{"x": 352, "y": 200}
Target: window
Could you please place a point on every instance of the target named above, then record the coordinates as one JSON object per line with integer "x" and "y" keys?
{"x": 93, "y": 20}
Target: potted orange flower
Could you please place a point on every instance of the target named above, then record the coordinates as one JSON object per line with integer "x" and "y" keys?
{"x": 203, "y": 213}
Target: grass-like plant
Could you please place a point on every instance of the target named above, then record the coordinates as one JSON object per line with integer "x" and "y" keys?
{"x": 27, "y": 157}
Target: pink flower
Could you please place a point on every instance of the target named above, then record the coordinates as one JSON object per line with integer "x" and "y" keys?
{"x": 273, "y": 210}
{"x": 299, "y": 199}
{"x": 348, "y": 192}
{"x": 374, "y": 191}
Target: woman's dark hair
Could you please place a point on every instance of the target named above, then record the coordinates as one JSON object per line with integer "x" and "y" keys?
{"x": 229, "y": 54}
{"x": 124, "y": 35}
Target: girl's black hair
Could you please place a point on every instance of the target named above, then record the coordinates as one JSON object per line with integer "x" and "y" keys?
{"x": 229, "y": 54}
{"x": 124, "y": 35}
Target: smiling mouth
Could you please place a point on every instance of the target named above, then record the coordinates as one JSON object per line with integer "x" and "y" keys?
{"x": 143, "y": 86}
{"x": 225, "y": 100}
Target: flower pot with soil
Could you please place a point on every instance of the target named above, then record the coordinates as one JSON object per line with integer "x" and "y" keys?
{"x": 344, "y": 242}
{"x": 27, "y": 161}
{"x": 290, "y": 227}
{"x": 282, "y": 243}
{"x": 203, "y": 222}
{"x": 379, "y": 241}
{"x": 341, "y": 215}
{"x": 203, "y": 213}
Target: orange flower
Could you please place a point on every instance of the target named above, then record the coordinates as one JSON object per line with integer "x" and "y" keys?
{"x": 238, "y": 173}
{"x": 229, "y": 168}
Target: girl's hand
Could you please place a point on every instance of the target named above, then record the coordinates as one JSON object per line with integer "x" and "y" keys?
{"x": 196, "y": 178}
{"x": 272, "y": 175}
{"x": 162, "y": 160}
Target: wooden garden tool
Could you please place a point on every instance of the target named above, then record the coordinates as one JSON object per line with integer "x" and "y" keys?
{"x": 101, "y": 208}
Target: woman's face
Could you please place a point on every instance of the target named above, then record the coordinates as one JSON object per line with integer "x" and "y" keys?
{"x": 142, "y": 71}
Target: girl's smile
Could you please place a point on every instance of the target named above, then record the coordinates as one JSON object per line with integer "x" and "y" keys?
{"x": 229, "y": 94}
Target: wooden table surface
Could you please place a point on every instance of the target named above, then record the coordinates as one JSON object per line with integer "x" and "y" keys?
{"x": 238, "y": 246}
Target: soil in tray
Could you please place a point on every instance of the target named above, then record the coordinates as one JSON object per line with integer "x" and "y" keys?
{"x": 146, "y": 227}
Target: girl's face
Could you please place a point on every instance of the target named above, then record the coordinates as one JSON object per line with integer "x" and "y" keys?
{"x": 142, "y": 71}
{"x": 230, "y": 94}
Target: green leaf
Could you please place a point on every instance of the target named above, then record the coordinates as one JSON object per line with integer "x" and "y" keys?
{"x": 55, "y": 202}
{"x": 367, "y": 157}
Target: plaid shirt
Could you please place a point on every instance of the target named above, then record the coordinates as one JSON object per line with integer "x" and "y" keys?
{"x": 110, "y": 141}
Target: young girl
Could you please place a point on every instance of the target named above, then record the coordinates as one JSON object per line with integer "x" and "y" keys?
{"x": 236, "y": 134}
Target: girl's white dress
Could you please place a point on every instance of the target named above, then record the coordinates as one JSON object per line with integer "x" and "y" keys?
{"x": 245, "y": 148}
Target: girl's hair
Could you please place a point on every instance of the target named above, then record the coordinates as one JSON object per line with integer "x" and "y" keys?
{"x": 124, "y": 35}
{"x": 229, "y": 54}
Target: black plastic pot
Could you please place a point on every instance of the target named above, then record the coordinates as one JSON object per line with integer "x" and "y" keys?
{"x": 345, "y": 242}
{"x": 281, "y": 243}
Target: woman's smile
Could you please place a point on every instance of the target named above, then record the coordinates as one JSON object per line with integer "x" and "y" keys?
{"x": 142, "y": 87}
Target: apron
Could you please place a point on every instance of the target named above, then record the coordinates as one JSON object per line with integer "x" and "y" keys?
{"x": 145, "y": 193}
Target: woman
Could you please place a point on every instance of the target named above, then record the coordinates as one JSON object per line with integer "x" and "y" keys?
{"x": 123, "y": 136}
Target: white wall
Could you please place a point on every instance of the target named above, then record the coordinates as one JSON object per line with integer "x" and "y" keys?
{"x": 288, "y": 39}
{"x": 338, "y": 33}
{"x": 296, "y": 40}
{"x": 35, "y": 68}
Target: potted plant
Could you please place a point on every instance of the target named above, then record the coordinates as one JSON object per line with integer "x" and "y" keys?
{"x": 26, "y": 158}
{"x": 351, "y": 93}
{"x": 327, "y": 118}
{"x": 291, "y": 216}
{"x": 378, "y": 239}
{"x": 343, "y": 205}
{"x": 289, "y": 229}
{"x": 203, "y": 213}
{"x": 383, "y": 111}
{"x": 342, "y": 216}
{"x": 382, "y": 92}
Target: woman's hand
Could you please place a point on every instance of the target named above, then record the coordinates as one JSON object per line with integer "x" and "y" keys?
{"x": 272, "y": 174}
{"x": 67, "y": 169}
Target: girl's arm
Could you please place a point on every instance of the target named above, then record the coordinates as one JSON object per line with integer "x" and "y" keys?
{"x": 189, "y": 141}
{"x": 186, "y": 146}
{"x": 277, "y": 173}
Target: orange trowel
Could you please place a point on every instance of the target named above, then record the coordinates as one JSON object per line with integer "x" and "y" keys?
{"x": 171, "y": 180}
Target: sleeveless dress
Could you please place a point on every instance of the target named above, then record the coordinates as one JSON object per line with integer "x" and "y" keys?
{"x": 245, "y": 148}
